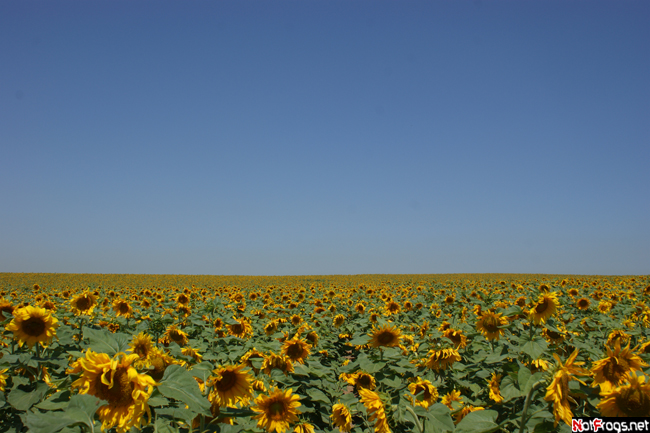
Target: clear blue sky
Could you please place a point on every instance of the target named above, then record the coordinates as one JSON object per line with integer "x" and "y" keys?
{"x": 325, "y": 137}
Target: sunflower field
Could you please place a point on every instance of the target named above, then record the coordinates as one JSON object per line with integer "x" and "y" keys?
{"x": 463, "y": 353}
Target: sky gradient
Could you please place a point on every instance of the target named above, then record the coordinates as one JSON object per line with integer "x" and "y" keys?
{"x": 325, "y": 137}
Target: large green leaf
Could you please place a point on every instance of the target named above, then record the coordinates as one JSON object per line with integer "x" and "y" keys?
{"x": 480, "y": 421}
{"x": 81, "y": 410}
{"x": 102, "y": 341}
{"x": 178, "y": 383}
{"x": 533, "y": 347}
{"x": 22, "y": 397}
{"x": 438, "y": 419}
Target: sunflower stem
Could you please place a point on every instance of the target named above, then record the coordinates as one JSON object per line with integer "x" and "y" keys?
{"x": 419, "y": 425}
{"x": 522, "y": 423}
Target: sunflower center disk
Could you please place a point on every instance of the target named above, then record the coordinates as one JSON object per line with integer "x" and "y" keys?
{"x": 83, "y": 304}
{"x": 227, "y": 381}
{"x": 34, "y": 326}
{"x": 120, "y": 393}
{"x": 385, "y": 338}
{"x": 277, "y": 409}
{"x": 634, "y": 403}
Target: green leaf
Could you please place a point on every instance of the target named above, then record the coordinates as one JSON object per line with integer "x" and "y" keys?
{"x": 56, "y": 401}
{"x": 48, "y": 422}
{"x": 360, "y": 340}
{"x": 523, "y": 376}
{"x": 318, "y": 395}
{"x": 178, "y": 383}
{"x": 439, "y": 419}
{"x": 163, "y": 426}
{"x": 480, "y": 421}
{"x": 367, "y": 365}
{"x": 102, "y": 341}
{"x": 508, "y": 389}
{"x": 22, "y": 398}
{"x": 533, "y": 348}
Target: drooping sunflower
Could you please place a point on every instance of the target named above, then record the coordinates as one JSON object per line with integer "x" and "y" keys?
{"x": 232, "y": 384}
{"x": 442, "y": 359}
{"x": 241, "y": 329}
{"x": 83, "y": 304}
{"x": 304, "y": 427}
{"x": 341, "y": 417}
{"x": 617, "y": 336}
{"x": 312, "y": 338}
{"x": 192, "y": 353}
{"x": 142, "y": 345}
{"x": 375, "y": 408}
{"x": 544, "y": 308}
{"x": 612, "y": 370}
{"x": 489, "y": 324}
{"x": 359, "y": 380}
{"x": 32, "y": 325}
{"x": 464, "y": 411}
{"x": 495, "y": 392}
{"x": 558, "y": 391}
{"x": 629, "y": 400}
{"x": 125, "y": 391}
{"x": 157, "y": 362}
{"x": 277, "y": 410}
{"x": 386, "y": 336}
{"x": 296, "y": 350}
{"x": 3, "y": 379}
{"x": 425, "y": 393}
{"x": 339, "y": 320}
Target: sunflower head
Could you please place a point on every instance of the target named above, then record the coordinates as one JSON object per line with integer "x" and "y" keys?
{"x": 32, "y": 325}
{"x": 490, "y": 325}
{"x": 296, "y": 350}
{"x": 277, "y": 410}
{"x": 83, "y": 304}
{"x": 544, "y": 308}
{"x": 425, "y": 393}
{"x": 385, "y": 336}
{"x": 232, "y": 384}
{"x": 629, "y": 400}
{"x": 341, "y": 417}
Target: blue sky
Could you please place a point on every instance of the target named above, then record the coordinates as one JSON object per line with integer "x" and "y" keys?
{"x": 325, "y": 137}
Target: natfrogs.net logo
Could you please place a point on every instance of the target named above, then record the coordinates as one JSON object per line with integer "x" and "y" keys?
{"x": 609, "y": 425}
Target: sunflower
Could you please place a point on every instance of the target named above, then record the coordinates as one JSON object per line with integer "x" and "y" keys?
{"x": 241, "y": 329}
{"x": 339, "y": 320}
{"x": 192, "y": 353}
{"x": 489, "y": 324}
{"x": 3, "y": 379}
{"x": 392, "y": 307}
{"x": 33, "y": 325}
{"x": 142, "y": 345}
{"x": 495, "y": 393}
{"x": 359, "y": 380}
{"x": 443, "y": 358}
{"x": 452, "y": 397}
{"x": 296, "y": 350}
{"x": 277, "y": 410}
{"x": 232, "y": 384}
{"x": 464, "y": 411}
{"x": 360, "y": 308}
{"x": 157, "y": 362}
{"x": 5, "y": 307}
{"x": 375, "y": 408}
{"x": 617, "y": 336}
{"x": 611, "y": 370}
{"x": 341, "y": 417}
{"x": 545, "y": 307}
{"x": 558, "y": 391}
{"x": 279, "y": 362}
{"x": 176, "y": 335}
{"x": 456, "y": 337}
{"x": 583, "y": 304}
{"x": 425, "y": 393}
{"x": 122, "y": 308}
{"x": 304, "y": 427}
{"x": 629, "y": 400}
{"x": 312, "y": 338}
{"x": 182, "y": 300}
{"x": 125, "y": 391}
{"x": 83, "y": 304}
{"x": 386, "y": 336}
